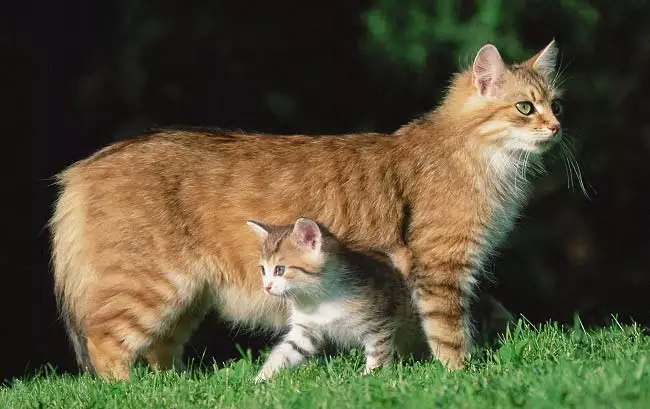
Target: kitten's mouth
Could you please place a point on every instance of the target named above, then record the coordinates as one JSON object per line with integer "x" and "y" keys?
{"x": 274, "y": 292}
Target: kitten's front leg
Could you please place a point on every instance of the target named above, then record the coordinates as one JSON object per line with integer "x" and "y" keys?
{"x": 300, "y": 343}
{"x": 379, "y": 346}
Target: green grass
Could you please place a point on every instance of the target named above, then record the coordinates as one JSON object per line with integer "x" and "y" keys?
{"x": 533, "y": 367}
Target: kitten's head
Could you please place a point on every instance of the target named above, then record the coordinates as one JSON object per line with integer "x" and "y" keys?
{"x": 515, "y": 106}
{"x": 292, "y": 257}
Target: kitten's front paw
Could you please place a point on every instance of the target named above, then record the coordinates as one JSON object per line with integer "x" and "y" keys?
{"x": 263, "y": 376}
{"x": 368, "y": 370}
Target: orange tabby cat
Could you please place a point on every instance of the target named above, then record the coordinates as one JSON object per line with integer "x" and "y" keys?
{"x": 148, "y": 234}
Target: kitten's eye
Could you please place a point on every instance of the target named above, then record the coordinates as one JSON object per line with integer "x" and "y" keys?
{"x": 525, "y": 107}
{"x": 279, "y": 271}
{"x": 556, "y": 107}
{"x": 262, "y": 270}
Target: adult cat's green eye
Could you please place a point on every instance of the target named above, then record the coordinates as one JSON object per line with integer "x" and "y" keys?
{"x": 556, "y": 107}
{"x": 525, "y": 107}
{"x": 279, "y": 271}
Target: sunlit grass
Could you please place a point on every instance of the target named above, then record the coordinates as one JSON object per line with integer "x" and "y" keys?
{"x": 533, "y": 367}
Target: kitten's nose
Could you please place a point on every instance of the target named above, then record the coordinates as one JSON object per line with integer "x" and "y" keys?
{"x": 555, "y": 128}
{"x": 267, "y": 289}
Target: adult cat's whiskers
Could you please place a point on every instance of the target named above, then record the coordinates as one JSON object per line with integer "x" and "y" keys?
{"x": 572, "y": 165}
{"x": 524, "y": 170}
{"x": 520, "y": 169}
{"x": 568, "y": 169}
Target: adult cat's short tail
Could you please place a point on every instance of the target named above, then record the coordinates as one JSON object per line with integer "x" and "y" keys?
{"x": 78, "y": 340}
{"x": 70, "y": 276}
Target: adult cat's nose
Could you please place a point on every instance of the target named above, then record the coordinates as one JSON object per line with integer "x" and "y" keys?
{"x": 555, "y": 128}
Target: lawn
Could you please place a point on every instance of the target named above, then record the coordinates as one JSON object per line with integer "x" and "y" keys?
{"x": 532, "y": 366}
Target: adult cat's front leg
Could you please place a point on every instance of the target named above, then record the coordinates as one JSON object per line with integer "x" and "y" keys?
{"x": 442, "y": 289}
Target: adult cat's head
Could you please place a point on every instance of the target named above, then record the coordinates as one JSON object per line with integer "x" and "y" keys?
{"x": 510, "y": 108}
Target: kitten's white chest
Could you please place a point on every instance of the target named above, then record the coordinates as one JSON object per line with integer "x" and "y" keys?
{"x": 323, "y": 314}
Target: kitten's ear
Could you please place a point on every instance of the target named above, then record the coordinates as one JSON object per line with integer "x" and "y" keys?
{"x": 306, "y": 234}
{"x": 487, "y": 69}
{"x": 544, "y": 61}
{"x": 259, "y": 228}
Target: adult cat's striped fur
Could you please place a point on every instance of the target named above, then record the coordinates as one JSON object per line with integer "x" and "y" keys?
{"x": 335, "y": 294}
{"x": 148, "y": 234}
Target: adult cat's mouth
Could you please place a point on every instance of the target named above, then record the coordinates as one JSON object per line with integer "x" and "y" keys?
{"x": 545, "y": 142}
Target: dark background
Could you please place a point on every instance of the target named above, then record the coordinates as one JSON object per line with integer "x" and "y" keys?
{"x": 76, "y": 76}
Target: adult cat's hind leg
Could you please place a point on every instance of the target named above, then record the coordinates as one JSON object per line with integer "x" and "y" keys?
{"x": 166, "y": 352}
{"x": 110, "y": 359}
{"x": 127, "y": 312}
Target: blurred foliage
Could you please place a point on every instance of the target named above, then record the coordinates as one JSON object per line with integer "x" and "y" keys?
{"x": 420, "y": 36}
{"x": 409, "y": 32}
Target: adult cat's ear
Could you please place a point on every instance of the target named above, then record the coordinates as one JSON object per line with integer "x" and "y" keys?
{"x": 259, "y": 228}
{"x": 544, "y": 61}
{"x": 487, "y": 69}
{"x": 306, "y": 234}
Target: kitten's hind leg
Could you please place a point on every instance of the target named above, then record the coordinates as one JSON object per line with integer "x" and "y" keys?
{"x": 300, "y": 343}
{"x": 379, "y": 347}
